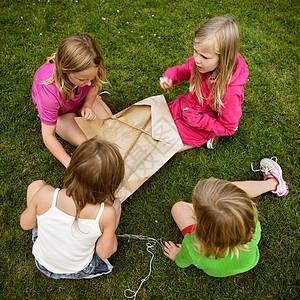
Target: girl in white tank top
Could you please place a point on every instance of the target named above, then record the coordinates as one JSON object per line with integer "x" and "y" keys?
{"x": 74, "y": 228}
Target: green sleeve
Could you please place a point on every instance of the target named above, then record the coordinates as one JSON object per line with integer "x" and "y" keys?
{"x": 183, "y": 258}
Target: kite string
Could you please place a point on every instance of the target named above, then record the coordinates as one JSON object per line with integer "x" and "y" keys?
{"x": 151, "y": 242}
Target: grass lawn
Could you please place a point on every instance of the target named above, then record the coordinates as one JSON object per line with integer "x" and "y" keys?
{"x": 139, "y": 40}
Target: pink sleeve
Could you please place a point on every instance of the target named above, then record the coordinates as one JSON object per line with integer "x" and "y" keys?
{"x": 225, "y": 124}
{"x": 181, "y": 72}
{"x": 47, "y": 105}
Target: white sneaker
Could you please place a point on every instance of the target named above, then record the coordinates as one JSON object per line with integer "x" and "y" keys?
{"x": 271, "y": 169}
{"x": 212, "y": 143}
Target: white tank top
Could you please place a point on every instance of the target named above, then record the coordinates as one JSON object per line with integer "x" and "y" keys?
{"x": 62, "y": 246}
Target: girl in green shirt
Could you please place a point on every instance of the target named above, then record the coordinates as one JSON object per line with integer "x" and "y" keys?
{"x": 221, "y": 230}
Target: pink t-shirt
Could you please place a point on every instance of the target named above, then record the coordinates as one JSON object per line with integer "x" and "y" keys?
{"x": 47, "y": 99}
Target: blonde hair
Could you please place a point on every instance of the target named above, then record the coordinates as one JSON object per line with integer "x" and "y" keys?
{"x": 94, "y": 174}
{"x": 226, "y": 218}
{"x": 75, "y": 53}
{"x": 223, "y": 34}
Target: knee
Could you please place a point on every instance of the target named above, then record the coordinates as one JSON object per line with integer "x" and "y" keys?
{"x": 177, "y": 207}
{"x": 35, "y": 186}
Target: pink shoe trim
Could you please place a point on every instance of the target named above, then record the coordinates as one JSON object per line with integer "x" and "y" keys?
{"x": 268, "y": 177}
{"x": 276, "y": 191}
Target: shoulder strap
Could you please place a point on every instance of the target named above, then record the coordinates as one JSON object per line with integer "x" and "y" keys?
{"x": 55, "y": 197}
{"x": 100, "y": 212}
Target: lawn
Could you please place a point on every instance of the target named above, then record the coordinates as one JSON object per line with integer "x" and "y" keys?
{"x": 139, "y": 40}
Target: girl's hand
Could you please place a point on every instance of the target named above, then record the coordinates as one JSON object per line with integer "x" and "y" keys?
{"x": 166, "y": 83}
{"x": 87, "y": 113}
{"x": 170, "y": 249}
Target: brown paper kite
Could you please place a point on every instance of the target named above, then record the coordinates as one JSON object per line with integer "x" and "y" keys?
{"x": 146, "y": 135}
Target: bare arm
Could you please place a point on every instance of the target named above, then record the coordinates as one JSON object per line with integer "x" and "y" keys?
{"x": 117, "y": 207}
{"x": 39, "y": 199}
{"x": 107, "y": 243}
{"x": 87, "y": 111}
{"x": 28, "y": 217}
{"x": 54, "y": 146}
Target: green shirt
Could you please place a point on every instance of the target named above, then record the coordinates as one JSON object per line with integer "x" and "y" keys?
{"x": 222, "y": 267}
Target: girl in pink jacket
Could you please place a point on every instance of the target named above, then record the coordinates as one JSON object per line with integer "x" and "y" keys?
{"x": 217, "y": 73}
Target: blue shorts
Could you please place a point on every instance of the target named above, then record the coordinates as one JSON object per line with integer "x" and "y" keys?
{"x": 98, "y": 266}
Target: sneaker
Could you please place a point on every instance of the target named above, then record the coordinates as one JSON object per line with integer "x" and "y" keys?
{"x": 212, "y": 143}
{"x": 271, "y": 169}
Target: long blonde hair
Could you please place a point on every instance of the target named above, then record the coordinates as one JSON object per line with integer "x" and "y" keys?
{"x": 223, "y": 34}
{"x": 76, "y": 53}
{"x": 94, "y": 174}
{"x": 226, "y": 218}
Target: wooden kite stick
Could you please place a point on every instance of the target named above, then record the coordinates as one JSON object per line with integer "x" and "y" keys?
{"x": 137, "y": 136}
{"x": 115, "y": 118}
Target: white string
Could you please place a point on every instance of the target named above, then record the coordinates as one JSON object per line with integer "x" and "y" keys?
{"x": 151, "y": 242}
{"x": 104, "y": 92}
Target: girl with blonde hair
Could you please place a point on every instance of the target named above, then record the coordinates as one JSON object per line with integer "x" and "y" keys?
{"x": 74, "y": 228}
{"x": 67, "y": 86}
{"x": 217, "y": 73}
{"x": 220, "y": 227}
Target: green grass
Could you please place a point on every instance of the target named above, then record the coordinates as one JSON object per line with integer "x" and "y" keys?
{"x": 139, "y": 40}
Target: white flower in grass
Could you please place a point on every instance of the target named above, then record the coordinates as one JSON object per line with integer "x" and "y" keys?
{"x": 103, "y": 18}
{"x": 41, "y": 34}
{"x": 152, "y": 16}
{"x": 22, "y": 17}
{"x": 142, "y": 36}
{"x": 118, "y": 11}
{"x": 154, "y": 34}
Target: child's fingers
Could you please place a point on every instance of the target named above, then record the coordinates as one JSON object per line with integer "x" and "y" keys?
{"x": 170, "y": 250}
{"x": 167, "y": 254}
{"x": 169, "y": 244}
{"x": 88, "y": 115}
{"x": 161, "y": 85}
{"x": 169, "y": 247}
{"x": 165, "y": 82}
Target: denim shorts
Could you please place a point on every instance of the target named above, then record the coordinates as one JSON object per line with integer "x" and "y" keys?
{"x": 98, "y": 266}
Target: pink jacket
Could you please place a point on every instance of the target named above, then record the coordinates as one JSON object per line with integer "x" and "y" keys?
{"x": 200, "y": 123}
